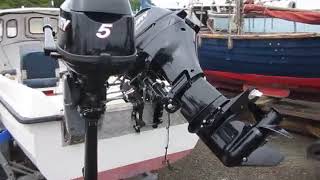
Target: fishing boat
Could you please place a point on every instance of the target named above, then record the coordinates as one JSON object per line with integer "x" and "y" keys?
{"x": 32, "y": 110}
{"x": 273, "y": 49}
{"x": 203, "y": 8}
{"x": 197, "y": 9}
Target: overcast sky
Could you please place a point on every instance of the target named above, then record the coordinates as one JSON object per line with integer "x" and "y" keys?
{"x": 308, "y": 4}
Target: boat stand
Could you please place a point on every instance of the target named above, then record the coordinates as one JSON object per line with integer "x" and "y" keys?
{"x": 11, "y": 168}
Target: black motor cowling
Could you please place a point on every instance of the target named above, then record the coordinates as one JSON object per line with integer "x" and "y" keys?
{"x": 96, "y": 34}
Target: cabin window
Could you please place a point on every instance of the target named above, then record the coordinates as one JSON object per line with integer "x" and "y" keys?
{"x": 1, "y": 29}
{"x": 36, "y": 25}
{"x": 12, "y": 28}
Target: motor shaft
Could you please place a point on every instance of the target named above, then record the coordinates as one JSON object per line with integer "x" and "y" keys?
{"x": 91, "y": 153}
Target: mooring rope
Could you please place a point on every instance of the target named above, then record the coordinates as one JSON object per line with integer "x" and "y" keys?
{"x": 166, "y": 160}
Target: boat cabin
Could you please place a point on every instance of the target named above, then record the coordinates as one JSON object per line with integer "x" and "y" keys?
{"x": 21, "y": 49}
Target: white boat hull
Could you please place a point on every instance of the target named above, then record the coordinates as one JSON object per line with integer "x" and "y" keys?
{"x": 119, "y": 156}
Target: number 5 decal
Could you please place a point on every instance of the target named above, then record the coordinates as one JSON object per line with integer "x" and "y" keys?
{"x": 104, "y": 31}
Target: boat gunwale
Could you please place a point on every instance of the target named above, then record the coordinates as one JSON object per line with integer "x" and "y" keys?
{"x": 257, "y": 36}
{"x": 287, "y": 9}
{"x": 28, "y": 120}
{"x": 27, "y": 10}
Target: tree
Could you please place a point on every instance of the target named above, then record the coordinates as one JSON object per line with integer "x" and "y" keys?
{"x": 26, "y": 3}
{"x": 135, "y": 4}
{"x": 57, "y": 3}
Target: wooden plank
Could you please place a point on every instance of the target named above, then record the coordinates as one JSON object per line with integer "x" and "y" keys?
{"x": 302, "y": 117}
{"x": 300, "y": 126}
{"x": 302, "y": 109}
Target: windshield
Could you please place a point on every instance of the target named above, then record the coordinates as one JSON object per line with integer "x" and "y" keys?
{"x": 36, "y": 25}
{"x": 12, "y": 30}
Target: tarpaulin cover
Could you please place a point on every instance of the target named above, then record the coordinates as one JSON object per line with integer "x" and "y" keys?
{"x": 308, "y": 17}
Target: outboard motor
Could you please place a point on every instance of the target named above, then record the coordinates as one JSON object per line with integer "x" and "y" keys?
{"x": 166, "y": 42}
{"x": 95, "y": 40}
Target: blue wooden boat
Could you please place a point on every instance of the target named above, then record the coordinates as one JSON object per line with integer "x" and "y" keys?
{"x": 276, "y": 50}
{"x": 280, "y": 65}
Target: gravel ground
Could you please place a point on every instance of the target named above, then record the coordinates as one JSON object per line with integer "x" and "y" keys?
{"x": 202, "y": 164}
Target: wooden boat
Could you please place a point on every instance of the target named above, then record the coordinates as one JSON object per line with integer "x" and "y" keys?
{"x": 277, "y": 63}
